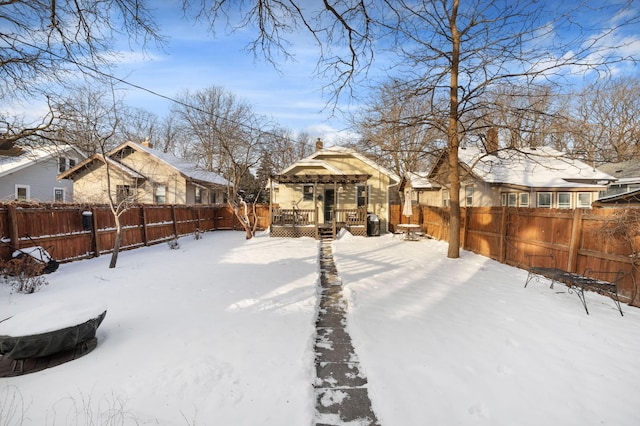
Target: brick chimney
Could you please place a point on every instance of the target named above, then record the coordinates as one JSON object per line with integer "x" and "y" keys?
{"x": 146, "y": 143}
{"x": 492, "y": 140}
{"x": 318, "y": 144}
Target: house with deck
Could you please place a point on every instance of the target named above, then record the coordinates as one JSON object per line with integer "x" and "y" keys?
{"x": 335, "y": 188}
{"x": 539, "y": 177}
{"x": 138, "y": 173}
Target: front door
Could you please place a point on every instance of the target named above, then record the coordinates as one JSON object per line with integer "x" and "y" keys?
{"x": 329, "y": 198}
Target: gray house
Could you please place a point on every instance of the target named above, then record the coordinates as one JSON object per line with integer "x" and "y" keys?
{"x": 627, "y": 174}
{"x": 29, "y": 173}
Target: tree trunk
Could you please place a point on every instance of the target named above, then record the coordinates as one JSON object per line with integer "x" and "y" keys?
{"x": 116, "y": 246}
{"x": 454, "y": 142}
{"x": 243, "y": 219}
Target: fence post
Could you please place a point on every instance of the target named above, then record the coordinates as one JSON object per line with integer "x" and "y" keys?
{"x": 503, "y": 235}
{"x": 145, "y": 240}
{"x": 94, "y": 232}
{"x": 13, "y": 226}
{"x": 175, "y": 222}
{"x": 465, "y": 226}
{"x": 574, "y": 244}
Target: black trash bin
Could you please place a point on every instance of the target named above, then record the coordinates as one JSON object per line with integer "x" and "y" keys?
{"x": 87, "y": 220}
{"x": 373, "y": 225}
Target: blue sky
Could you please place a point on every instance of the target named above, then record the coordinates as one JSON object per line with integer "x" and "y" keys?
{"x": 193, "y": 59}
{"x": 292, "y": 96}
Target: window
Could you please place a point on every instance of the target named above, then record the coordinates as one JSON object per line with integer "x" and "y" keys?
{"x": 23, "y": 192}
{"x": 307, "y": 191}
{"x": 58, "y": 195}
{"x": 503, "y": 198}
{"x": 361, "y": 196}
{"x": 72, "y": 163}
{"x": 62, "y": 164}
{"x": 123, "y": 193}
{"x": 564, "y": 200}
{"x": 512, "y": 199}
{"x": 544, "y": 200}
{"x": 584, "y": 200}
{"x": 161, "y": 194}
{"x": 445, "y": 198}
{"x": 523, "y": 199}
{"x": 198, "y": 198}
{"x": 469, "y": 195}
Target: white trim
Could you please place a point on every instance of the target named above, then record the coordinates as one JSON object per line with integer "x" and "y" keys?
{"x": 64, "y": 194}
{"x": 19, "y": 186}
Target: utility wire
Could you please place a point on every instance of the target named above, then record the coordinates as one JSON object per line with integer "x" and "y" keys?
{"x": 99, "y": 72}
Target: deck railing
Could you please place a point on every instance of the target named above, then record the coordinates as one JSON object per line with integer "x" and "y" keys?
{"x": 293, "y": 217}
{"x": 351, "y": 217}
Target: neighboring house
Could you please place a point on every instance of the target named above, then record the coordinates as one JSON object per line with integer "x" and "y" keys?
{"x": 627, "y": 174}
{"x": 528, "y": 177}
{"x": 29, "y": 173}
{"x": 333, "y": 188}
{"x": 420, "y": 187}
{"x": 144, "y": 175}
{"x": 625, "y": 199}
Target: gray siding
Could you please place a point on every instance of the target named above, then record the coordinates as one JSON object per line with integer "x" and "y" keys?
{"x": 41, "y": 180}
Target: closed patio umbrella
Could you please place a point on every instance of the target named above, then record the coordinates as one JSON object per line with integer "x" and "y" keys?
{"x": 407, "y": 210}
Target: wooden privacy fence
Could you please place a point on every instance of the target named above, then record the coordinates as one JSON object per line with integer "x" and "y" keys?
{"x": 70, "y": 232}
{"x": 599, "y": 239}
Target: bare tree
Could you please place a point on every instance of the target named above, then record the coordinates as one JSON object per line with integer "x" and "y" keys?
{"x": 394, "y": 132}
{"x": 605, "y": 125}
{"x": 138, "y": 125}
{"x": 90, "y": 122}
{"x": 283, "y": 148}
{"x": 450, "y": 52}
{"x": 225, "y": 137}
{"x": 45, "y": 44}
{"x": 85, "y": 117}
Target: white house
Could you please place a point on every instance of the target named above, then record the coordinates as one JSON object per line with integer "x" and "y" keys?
{"x": 526, "y": 177}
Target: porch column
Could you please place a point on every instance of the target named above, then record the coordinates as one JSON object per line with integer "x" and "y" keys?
{"x": 335, "y": 205}
{"x": 315, "y": 210}
{"x": 270, "y": 205}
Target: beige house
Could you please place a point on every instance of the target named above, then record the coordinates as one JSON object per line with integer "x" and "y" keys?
{"x": 332, "y": 189}
{"x": 138, "y": 173}
{"x": 528, "y": 177}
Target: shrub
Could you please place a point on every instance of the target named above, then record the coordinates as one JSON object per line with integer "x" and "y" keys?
{"x": 23, "y": 273}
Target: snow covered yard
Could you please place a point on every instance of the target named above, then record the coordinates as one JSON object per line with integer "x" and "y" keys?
{"x": 461, "y": 342}
{"x": 221, "y": 331}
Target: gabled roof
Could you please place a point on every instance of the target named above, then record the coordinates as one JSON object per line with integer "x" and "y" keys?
{"x": 421, "y": 181}
{"x": 625, "y": 171}
{"x": 312, "y": 164}
{"x": 542, "y": 167}
{"x": 25, "y": 156}
{"x": 315, "y": 160}
{"x": 186, "y": 168}
{"x": 97, "y": 158}
{"x": 183, "y": 167}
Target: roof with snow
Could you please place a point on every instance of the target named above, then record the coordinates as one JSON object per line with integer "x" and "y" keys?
{"x": 185, "y": 167}
{"x": 316, "y": 160}
{"x": 421, "y": 181}
{"x": 25, "y": 156}
{"x": 542, "y": 167}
